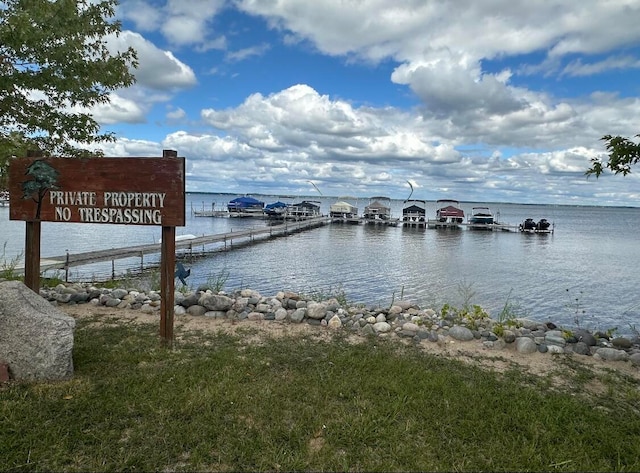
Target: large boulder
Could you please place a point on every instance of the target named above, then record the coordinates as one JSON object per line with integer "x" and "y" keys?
{"x": 36, "y": 338}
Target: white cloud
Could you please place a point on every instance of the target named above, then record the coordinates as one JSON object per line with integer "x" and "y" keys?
{"x": 119, "y": 110}
{"x": 577, "y": 68}
{"x": 182, "y": 22}
{"x": 157, "y": 69}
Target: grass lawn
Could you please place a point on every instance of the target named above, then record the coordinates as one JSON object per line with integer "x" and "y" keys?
{"x": 217, "y": 403}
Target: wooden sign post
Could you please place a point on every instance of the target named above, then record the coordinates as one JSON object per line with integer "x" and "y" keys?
{"x": 126, "y": 191}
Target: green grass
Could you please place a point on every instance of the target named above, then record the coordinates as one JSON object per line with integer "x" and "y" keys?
{"x": 217, "y": 403}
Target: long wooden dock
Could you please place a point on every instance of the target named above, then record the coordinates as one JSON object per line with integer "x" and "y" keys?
{"x": 68, "y": 260}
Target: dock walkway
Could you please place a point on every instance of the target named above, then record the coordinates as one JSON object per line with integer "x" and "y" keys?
{"x": 64, "y": 262}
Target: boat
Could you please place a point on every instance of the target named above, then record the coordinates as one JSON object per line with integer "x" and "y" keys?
{"x": 448, "y": 213}
{"x": 481, "y": 218}
{"x": 303, "y": 210}
{"x": 245, "y": 207}
{"x": 343, "y": 211}
{"x": 276, "y": 210}
{"x": 379, "y": 208}
{"x": 414, "y": 212}
{"x": 541, "y": 226}
{"x": 4, "y": 199}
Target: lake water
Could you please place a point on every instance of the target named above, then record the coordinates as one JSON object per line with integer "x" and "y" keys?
{"x": 589, "y": 267}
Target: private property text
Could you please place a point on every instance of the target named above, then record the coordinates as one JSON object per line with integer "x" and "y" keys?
{"x": 141, "y": 208}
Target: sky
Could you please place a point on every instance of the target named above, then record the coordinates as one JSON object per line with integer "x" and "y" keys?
{"x": 474, "y": 100}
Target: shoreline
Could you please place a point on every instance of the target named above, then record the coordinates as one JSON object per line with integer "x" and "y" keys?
{"x": 471, "y": 338}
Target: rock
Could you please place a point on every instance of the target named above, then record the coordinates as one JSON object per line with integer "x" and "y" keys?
{"x": 298, "y": 315}
{"x": 36, "y": 338}
{"x": 196, "y": 310}
{"x": 581, "y": 348}
{"x": 555, "y": 349}
{"x": 188, "y": 301}
{"x": 368, "y": 330}
{"x": 216, "y": 314}
{"x": 179, "y": 310}
{"x": 381, "y": 327}
{"x": 635, "y": 359}
{"x": 611, "y": 354}
{"x": 119, "y": 293}
{"x": 410, "y": 327}
{"x": 148, "y": 309}
{"x": 316, "y": 310}
{"x": 215, "y": 302}
{"x": 586, "y": 337}
{"x": 281, "y": 314}
{"x": 335, "y": 322}
{"x": 460, "y": 333}
{"x": 395, "y": 310}
{"x": 552, "y": 339}
{"x": 509, "y": 336}
{"x": 621, "y": 342}
{"x": 525, "y": 345}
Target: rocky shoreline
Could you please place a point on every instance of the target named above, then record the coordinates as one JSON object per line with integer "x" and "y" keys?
{"x": 402, "y": 319}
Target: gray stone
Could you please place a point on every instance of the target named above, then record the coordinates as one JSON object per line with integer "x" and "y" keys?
{"x": 611, "y": 354}
{"x": 112, "y": 302}
{"x": 196, "y": 310}
{"x": 621, "y": 342}
{"x": 119, "y": 293}
{"x": 316, "y": 310}
{"x": 281, "y": 314}
{"x": 215, "y": 302}
{"x": 188, "y": 301}
{"x": 433, "y": 336}
{"x": 298, "y": 315}
{"x": 509, "y": 336}
{"x": 525, "y": 345}
{"x": 335, "y": 322}
{"x": 586, "y": 337}
{"x": 635, "y": 359}
{"x": 558, "y": 341}
{"x": 555, "y": 349}
{"x": 460, "y": 333}
{"x": 36, "y": 339}
{"x": 255, "y": 316}
{"x": 410, "y": 327}
{"x": 581, "y": 348}
{"x": 381, "y": 327}
{"x": 368, "y": 330}
{"x": 80, "y": 297}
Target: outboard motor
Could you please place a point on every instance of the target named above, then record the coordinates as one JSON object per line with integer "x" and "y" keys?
{"x": 543, "y": 224}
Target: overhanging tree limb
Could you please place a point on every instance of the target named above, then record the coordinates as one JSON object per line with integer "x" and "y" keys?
{"x": 623, "y": 153}
{"x": 55, "y": 64}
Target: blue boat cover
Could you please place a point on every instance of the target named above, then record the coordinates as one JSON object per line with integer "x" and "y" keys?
{"x": 276, "y": 205}
{"x": 246, "y": 201}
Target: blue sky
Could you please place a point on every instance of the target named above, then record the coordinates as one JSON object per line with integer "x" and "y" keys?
{"x": 497, "y": 101}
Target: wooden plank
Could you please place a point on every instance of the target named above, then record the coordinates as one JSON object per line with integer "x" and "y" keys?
{"x": 32, "y": 256}
{"x": 90, "y": 257}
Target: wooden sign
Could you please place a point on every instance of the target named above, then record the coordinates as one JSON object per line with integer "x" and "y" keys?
{"x": 128, "y": 191}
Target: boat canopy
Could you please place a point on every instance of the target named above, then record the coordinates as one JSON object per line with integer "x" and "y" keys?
{"x": 450, "y": 211}
{"x": 243, "y": 202}
{"x": 276, "y": 205}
